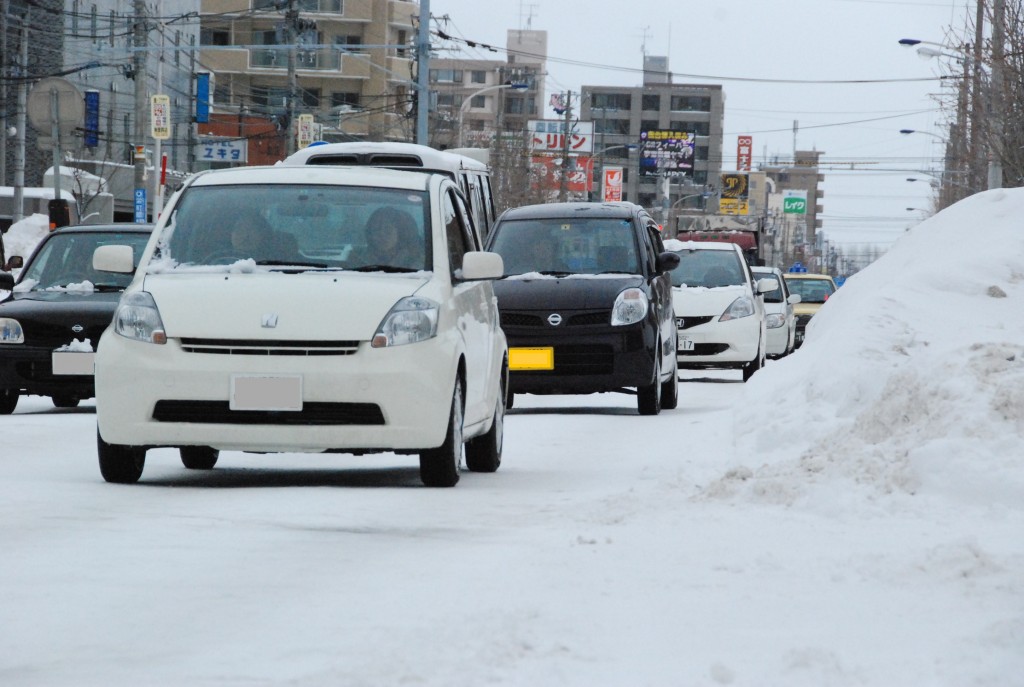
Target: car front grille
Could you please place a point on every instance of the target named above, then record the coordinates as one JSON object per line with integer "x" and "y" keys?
{"x": 802, "y": 320}
{"x": 219, "y": 412}
{"x": 269, "y": 347}
{"x": 688, "y": 322}
{"x": 579, "y": 319}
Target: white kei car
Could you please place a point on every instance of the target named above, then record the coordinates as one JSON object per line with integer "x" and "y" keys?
{"x": 272, "y": 311}
{"x": 780, "y": 318}
{"x": 719, "y": 308}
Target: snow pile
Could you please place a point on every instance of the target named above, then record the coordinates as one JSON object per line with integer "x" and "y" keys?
{"x": 22, "y": 237}
{"x": 911, "y": 380}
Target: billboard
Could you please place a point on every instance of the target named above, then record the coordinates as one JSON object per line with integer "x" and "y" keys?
{"x": 548, "y": 136}
{"x": 794, "y": 202}
{"x": 665, "y": 153}
{"x": 744, "y": 152}
{"x": 548, "y": 173}
{"x": 735, "y": 198}
{"x": 611, "y": 184}
{"x": 160, "y": 116}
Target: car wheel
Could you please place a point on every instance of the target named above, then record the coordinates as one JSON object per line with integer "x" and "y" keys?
{"x": 64, "y": 401}
{"x": 8, "y": 400}
{"x": 670, "y": 387}
{"x": 120, "y": 464}
{"x": 648, "y": 398}
{"x": 198, "y": 457}
{"x": 483, "y": 453}
{"x": 439, "y": 467}
{"x": 754, "y": 365}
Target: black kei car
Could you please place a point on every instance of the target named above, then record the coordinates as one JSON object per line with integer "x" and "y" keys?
{"x": 586, "y": 302}
{"x": 52, "y": 317}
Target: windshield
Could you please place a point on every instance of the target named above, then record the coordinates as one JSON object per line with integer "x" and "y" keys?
{"x": 66, "y": 260}
{"x": 300, "y": 227}
{"x": 709, "y": 268}
{"x": 811, "y": 290}
{"x": 566, "y": 245}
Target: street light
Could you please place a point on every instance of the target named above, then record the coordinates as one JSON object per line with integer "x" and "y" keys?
{"x": 907, "y": 132}
{"x": 487, "y": 89}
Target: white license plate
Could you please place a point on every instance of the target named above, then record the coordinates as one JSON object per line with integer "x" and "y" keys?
{"x": 73, "y": 363}
{"x": 685, "y": 343}
{"x": 266, "y": 392}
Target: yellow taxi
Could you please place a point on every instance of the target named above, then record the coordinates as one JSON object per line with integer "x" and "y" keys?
{"x": 814, "y": 290}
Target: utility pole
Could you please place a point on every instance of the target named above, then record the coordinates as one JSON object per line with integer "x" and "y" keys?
{"x": 291, "y": 19}
{"x": 19, "y": 151}
{"x": 976, "y": 102}
{"x": 995, "y": 146}
{"x": 423, "y": 74}
{"x": 3, "y": 94}
{"x": 563, "y": 181}
{"x": 139, "y": 133}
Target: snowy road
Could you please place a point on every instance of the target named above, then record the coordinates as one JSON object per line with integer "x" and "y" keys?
{"x": 590, "y": 558}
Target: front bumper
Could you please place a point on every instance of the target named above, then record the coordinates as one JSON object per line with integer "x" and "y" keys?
{"x": 730, "y": 344}
{"x": 29, "y": 370}
{"x": 387, "y": 399}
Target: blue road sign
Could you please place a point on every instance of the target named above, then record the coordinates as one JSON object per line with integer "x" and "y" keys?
{"x": 140, "y": 206}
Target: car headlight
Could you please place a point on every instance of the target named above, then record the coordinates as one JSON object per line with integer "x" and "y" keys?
{"x": 741, "y": 307}
{"x": 775, "y": 320}
{"x": 630, "y": 307}
{"x": 411, "y": 319}
{"x": 137, "y": 318}
{"x": 11, "y": 331}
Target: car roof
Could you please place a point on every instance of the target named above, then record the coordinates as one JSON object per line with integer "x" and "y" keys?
{"x": 676, "y": 245}
{"x": 621, "y": 210}
{"x": 315, "y": 175}
{"x": 140, "y": 227}
{"x": 805, "y": 275}
{"x": 409, "y": 156}
{"x": 765, "y": 269}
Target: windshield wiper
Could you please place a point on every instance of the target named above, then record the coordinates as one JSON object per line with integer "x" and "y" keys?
{"x": 616, "y": 272}
{"x": 554, "y": 273}
{"x": 382, "y": 268}
{"x": 107, "y": 288}
{"x": 291, "y": 263}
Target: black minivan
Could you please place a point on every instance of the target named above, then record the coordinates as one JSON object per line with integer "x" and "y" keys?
{"x": 586, "y": 302}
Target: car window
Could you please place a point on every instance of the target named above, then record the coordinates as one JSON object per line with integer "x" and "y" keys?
{"x": 457, "y": 232}
{"x": 709, "y": 268}
{"x": 776, "y": 295}
{"x": 349, "y": 227}
{"x": 67, "y": 259}
{"x": 592, "y": 245}
{"x": 812, "y": 290}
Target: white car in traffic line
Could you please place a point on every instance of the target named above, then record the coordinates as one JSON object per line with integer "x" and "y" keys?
{"x": 719, "y": 308}
{"x": 780, "y": 317}
{"x": 273, "y": 311}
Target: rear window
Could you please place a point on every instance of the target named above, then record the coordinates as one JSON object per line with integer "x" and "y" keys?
{"x": 567, "y": 246}
{"x": 811, "y": 290}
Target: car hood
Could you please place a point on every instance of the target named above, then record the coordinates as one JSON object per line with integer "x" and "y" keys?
{"x": 55, "y": 318}
{"x": 806, "y": 308}
{"x": 563, "y": 293}
{"x": 697, "y": 301}
{"x": 327, "y": 306}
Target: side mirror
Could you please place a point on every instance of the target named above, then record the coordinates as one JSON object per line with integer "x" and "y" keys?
{"x": 477, "y": 265}
{"x": 794, "y": 298}
{"x": 15, "y": 263}
{"x": 6, "y": 281}
{"x": 767, "y": 284}
{"x": 120, "y": 259}
{"x": 666, "y": 262}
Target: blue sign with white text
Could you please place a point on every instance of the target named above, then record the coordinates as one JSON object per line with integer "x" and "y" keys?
{"x": 140, "y": 206}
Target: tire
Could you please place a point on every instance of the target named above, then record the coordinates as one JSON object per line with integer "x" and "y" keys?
{"x": 198, "y": 457}
{"x": 648, "y": 398}
{"x": 483, "y": 453}
{"x": 670, "y": 387}
{"x": 120, "y": 464}
{"x": 8, "y": 400}
{"x": 439, "y": 467}
{"x": 64, "y": 401}
{"x": 754, "y": 365}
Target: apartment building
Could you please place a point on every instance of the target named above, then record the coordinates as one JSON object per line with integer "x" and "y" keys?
{"x": 622, "y": 115}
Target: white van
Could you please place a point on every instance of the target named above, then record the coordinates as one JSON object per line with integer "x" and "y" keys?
{"x": 472, "y": 175}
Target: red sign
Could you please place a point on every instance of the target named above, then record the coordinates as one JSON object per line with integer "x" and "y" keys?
{"x": 744, "y": 152}
{"x": 612, "y": 185}
{"x": 548, "y": 173}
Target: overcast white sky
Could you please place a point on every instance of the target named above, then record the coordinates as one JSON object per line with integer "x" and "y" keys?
{"x": 745, "y": 45}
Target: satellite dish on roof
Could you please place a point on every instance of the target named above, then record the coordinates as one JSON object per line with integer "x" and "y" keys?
{"x": 70, "y": 106}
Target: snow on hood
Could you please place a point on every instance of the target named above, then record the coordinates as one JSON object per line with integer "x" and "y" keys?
{"x": 911, "y": 380}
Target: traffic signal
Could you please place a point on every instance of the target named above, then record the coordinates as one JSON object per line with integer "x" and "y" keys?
{"x": 60, "y": 213}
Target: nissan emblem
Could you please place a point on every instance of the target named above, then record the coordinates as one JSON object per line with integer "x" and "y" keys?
{"x": 554, "y": 319}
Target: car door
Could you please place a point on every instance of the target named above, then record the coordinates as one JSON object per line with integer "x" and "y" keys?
{"x": 475, "y": 306}
{"x": 661, "y": 293}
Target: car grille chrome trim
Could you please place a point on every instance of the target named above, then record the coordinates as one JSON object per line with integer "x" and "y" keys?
{"x": 268, "y": 347}
{"x": 580, "y": 319}
{"x": 219, "y": 412}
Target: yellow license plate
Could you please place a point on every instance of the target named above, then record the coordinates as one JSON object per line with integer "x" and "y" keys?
{"x": 531, "y": 358}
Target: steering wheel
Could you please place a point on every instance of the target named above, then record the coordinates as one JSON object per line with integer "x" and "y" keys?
{"x": 225, "y": 256}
